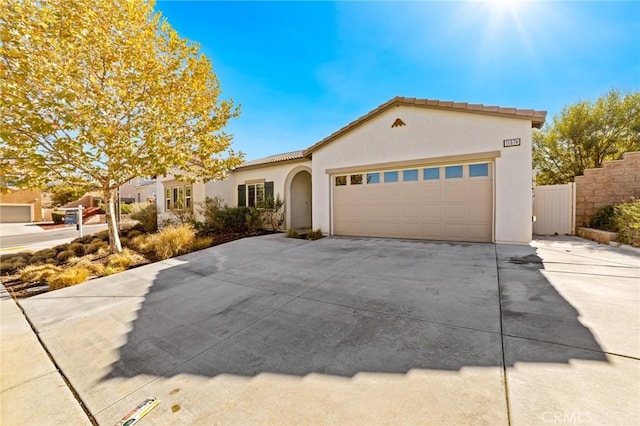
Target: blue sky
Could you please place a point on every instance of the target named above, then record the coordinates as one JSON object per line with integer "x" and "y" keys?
{"x": 302, "y": 70}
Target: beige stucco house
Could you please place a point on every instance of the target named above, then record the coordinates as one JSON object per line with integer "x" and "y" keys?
{"x": 21, "y": 206}
{"x": 411, "y": 168}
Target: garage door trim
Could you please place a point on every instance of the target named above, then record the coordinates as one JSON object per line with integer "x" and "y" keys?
{"x": 478, "y": 158}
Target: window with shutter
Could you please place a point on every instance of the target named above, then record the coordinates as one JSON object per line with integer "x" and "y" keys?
{"x": 242, "y": 195}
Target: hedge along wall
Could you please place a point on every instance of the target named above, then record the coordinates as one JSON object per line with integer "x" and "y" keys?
{"x": 614, "y": 182}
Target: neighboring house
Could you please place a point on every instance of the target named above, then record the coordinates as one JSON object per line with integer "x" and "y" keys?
{"x": 139, "y": 190}
{"x": 21, "y": 206}
{"x": 411, "y": 168}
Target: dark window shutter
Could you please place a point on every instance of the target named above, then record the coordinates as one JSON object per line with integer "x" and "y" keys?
{"x": 242, "y": 195}
{"x": 268, "y": 190}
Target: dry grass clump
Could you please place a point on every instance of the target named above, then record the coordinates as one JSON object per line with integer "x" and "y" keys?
{"x": 10, "y": 263}
{"x": 69, "y": 277}
{"x": 124, "y": 260}
{"x": 171, "y": 241}
{"x": 39, "y": 273}
{"x": 96, "y": 245}
{"x": 202, "y": 243}
{"x": 64, "y": 256}
{"x": 88, "y": 262}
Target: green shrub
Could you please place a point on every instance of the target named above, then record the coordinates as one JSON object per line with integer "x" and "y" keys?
{"x": 221, "y": 218}
{"x": 314, "y": 235}
{"x": 38, "y": 273}
{"x": 57, "y": 217}
{"x": 627, "y": 222}
{"x": 125, "y": 242}
{"x": 209, "y": 209}
{"x": 254, "y": 220}
{"x": 64, "y": 256}
{"x": 126, "y": 208}
{"x": 170, "y": 241}
{"x": 604, "y": 219}
{"x": 272, "y": 211}
{"x": 68, "y": 277}
{"x": 77, "y": 248}
{"x": 237, "y": 219}
{"x": 147, "y": 216}
{"x": 292, "y": 233}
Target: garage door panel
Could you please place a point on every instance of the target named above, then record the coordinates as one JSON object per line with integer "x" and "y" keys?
{"x": 478, "y": 232}
{"x": 432, "y": 211}
{"x": 432, "y": 231}
{"x": 477, "y": 213}
{"x": 453, "y": 231}
{"x": 15, "y": 214}
{"x": 431, "y": 192}
{"x": 459, "y": 209}
{"x": 453, "y": 192}
{"x": 478, "y": 191}
{"x": 453, "y": 212}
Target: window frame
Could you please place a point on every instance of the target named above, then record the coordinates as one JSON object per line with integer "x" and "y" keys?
{"x": 407, "y": 172}
{"x": 371, "y": 175}
{"x": 455, "y": 167}
{"x": 391, "y": 173}
{"x": 486, "y": 165}
{"x": 256, "y": 188}
{"x": 176, "y": 198}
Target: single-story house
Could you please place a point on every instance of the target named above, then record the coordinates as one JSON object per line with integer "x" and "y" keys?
{"x": 411, "y": 168}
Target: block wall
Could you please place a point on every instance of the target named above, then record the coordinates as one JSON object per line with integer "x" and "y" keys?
{"x": 610, "y": 184}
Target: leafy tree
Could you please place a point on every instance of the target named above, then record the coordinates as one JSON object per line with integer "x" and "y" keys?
{"x": 64, "y": 194}
{"x": 586, "y": 134}
{"x": 105, "y": 91}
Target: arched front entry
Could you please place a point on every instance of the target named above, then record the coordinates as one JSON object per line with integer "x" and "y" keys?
{"x": 299, "y": 212}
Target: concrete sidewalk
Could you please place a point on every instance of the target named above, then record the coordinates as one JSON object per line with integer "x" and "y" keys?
{"x": 33, "y": 391}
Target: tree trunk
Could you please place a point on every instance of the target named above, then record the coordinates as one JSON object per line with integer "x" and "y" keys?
{"x": 114, "y": 238}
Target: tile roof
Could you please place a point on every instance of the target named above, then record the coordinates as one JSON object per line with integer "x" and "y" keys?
{"x": 536, "y": 117}
{"x": 287, "y": 156}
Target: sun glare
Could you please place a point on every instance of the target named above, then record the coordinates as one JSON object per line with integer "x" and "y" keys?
{"x": 500, "y": 7}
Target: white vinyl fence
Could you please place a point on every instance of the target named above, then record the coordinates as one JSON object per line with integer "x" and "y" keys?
{"x": 554, "y": 207}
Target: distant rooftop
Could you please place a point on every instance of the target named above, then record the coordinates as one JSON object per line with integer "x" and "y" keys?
{"x": 287, "y": 156}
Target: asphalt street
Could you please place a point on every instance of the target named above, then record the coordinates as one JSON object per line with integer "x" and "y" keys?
{"x": 10, "y": 241}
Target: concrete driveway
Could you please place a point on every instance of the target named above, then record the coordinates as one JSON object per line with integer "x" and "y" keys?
{"x": 271, "y": 330}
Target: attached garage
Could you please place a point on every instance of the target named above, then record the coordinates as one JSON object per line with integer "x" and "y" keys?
{"x": 430, "y": 201}
{"x": 16, "y": 213}
{"x": 427, "y": 169}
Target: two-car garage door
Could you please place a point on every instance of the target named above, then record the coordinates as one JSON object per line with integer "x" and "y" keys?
{"x": 15, "y": 214}
{"x": 451, "y": 202}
